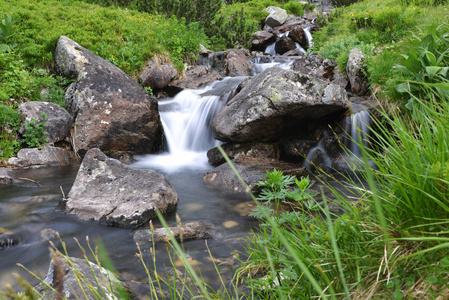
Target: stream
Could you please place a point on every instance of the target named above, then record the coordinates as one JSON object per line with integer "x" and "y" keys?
{"x": 30, "y": 208}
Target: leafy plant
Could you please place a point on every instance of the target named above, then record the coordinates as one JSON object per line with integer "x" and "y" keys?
{"x": 9, "y": 123}
{"x": 427, "y": 61}
{"x": 6, "y": 33}
{"x": 35, "y": 133}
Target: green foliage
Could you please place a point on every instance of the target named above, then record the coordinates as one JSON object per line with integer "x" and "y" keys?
{"x": 35, "y": 133}
{"x": 338, "y": 47}
{"x": 338, "y": 3}
{"x": 9, "y": 123}
{"x": 426, "y": 61}
{"x": 128, "y": 38}
{"x": 6, "y": 33}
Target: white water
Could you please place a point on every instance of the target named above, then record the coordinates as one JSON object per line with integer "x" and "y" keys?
{"x": 357, "y": 129}
{"x": 186, "y": 120}
{"x": 326, "y": 160}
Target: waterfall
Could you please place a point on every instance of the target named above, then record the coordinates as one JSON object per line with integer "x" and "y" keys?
{"x": 317, "y": 156}
{"x": 308, "y": 36}
{"x": 186, "y": 120}
{"x": 357, "y": 129}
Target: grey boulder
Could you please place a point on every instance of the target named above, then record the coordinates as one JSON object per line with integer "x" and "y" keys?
{"x": 357, "y": 72}
{"x": 277, "y": 16}
{"x": 44, "y": 155}
{"x": 112, "y": 193}
{"x": 111, "y": 110}
{"x": 274, "y": 103}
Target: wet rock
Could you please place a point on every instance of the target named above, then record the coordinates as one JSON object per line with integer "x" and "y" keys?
{"x": 284, "y": 44}
{"x": 195, "y": 78}
{"x": 58, "y": 122}
{"x": 189, "y": 231}
{"x": 63, "y": 277}
{"x": 255, "y": 150}
{"x": 357, "y": 72}
{"x": 275, "y": 103}
{"x": 6, "y": 176}
{"x": 261, "y": 39}
{"x": 277, "y": 16}
{"x": 296, "y": 33}
{"x": 107, "y": 191}
{"x": 45, "y": 155}
{"x": 157, "y": 76}
{"x": 252, "y": 170}
{"x": 111, "y": 110}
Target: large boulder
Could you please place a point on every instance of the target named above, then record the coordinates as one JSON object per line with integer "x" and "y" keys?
{"x": 261, "y": 39}
{"x": 64, "y": 275}
{"x": 277, "y": 16}
{"x": 45, "y": 155}
{"x": 276, "y": 102}
{"x": 356, "y": 71}
{"x": 112, "y": 193}
{"x": 111, "y": 110}
{"x": 58, "y": 120}
{"x": 157, "y": 76}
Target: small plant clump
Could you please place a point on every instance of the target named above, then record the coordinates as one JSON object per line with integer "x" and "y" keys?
{"x": 35, "y": 134}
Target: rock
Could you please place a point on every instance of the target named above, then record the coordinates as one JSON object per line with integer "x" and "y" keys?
{"x": 318, "y": 66}
{"x": 195, "y": 78}
{"x": 64, "y": 274}
{"x": 256, "y": 150}
{"x": 296, "y": 33}
{"x": 284, "y": 44}
{"x": 237, "y": 63}
{"x": 6, "y": 176}
{"x": 58, "y": 122}
{"x": 45, "y": 155}
{"x": 357, "y": 72}
{"x": 275, "y": 102}
{"x": 232, "y": 62}
{"x": 189, "y": 231}
{"x": 157, "y": 76}
{"x": 294, "y": 52}
{"x": 111, "y": 111}
{"x": 277, "y": 16}
{"x": 261, "y": 39}
{"x": 112, "y": 193}
{"x": 252, "y": 170}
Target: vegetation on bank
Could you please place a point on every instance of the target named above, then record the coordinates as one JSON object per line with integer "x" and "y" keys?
{"x": 391, "y": 241}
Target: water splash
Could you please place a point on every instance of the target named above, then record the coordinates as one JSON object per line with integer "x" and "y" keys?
{"x": 317, "y": 156}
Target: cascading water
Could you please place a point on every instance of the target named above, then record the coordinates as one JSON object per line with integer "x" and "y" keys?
{"x": 357, "y": 129}
{"x": 186, "y": 120}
